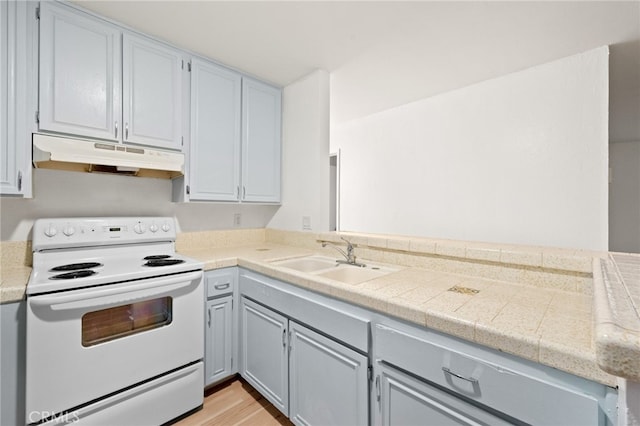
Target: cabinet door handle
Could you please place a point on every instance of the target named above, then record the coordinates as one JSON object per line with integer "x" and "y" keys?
{"x": 126, "y": 130}
{"x": 116, "y": 129}
{"x": 19, "y": 180}
{"x": 221, "y": 286}
{"x": 468, "y": 379}
{"x": 209, "y": 321}
{"x": 244, "y": 192}
{"x": 284, "y": 338}
{"x": 378, "y": 388}
{"x": 238, "y": 191}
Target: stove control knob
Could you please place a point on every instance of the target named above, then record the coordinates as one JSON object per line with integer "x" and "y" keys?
{"x": 153, "y": 228}
{"x": 139, "y": 228}
{"x": 50, "y": 231}
{"x": 166, "y": 227}
{"x": 69, "y": 231}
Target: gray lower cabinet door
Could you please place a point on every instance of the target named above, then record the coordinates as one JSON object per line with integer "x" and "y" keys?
{"x": 404, "y": 400}
{"x": 218, "y": 339}
{"x": 264, "y": 362}
{"x": 328, "y": 381}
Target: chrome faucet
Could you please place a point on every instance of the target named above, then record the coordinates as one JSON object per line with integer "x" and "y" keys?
{"x": 350, "y": 257}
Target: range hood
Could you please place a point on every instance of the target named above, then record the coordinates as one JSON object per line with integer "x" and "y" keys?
{"x": 60, "y": 153}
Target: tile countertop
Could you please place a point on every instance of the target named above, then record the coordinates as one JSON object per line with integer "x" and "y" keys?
{"x": 548, "y": 326}
{"x": 15, "y": 261}
{"x": 616, "y": 282}
{"x": 544, "y": 325}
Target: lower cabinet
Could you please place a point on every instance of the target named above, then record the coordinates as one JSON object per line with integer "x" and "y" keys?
{"x": 219, "y": 339}
{"x": 310, "y": 378}
{"x": 220, "y": 326}
{"x": 327, "y": 381}
{"x": 321, "y": 361}
{"x": 405, "y": 400}
{"x": 423, "y": 374}
{"x": 265, "y": 364}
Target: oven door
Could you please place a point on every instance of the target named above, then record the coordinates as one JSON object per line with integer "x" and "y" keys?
{"x": 85, "y": 344}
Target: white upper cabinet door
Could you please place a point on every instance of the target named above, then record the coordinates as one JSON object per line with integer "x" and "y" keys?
{"x": 79, "y": 73}
{"x": 152, "y": 93}
{"x": 8, "y": 166}
{"x": 215, "y": 133}
{"x": 17, "y": 70}
{"x": 261, "y": 142}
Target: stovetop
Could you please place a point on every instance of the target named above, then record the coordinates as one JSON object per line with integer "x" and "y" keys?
{"x": 104, "y": 265}
{"x": 102, "y": 251}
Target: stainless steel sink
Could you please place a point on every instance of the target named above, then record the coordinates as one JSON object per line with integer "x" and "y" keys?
{"x": 329, "y": 268}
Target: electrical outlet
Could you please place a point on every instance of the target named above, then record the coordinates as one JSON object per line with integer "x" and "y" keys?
{"x": 236, "y": 219}
{"x": 306, "y": 223}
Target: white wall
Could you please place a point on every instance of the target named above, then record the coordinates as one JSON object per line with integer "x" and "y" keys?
{"x": 305, "y": 163}
{"x": 624, "y": 197}
{"x": 517, "y": 159}
{"x": 69, "y": 194}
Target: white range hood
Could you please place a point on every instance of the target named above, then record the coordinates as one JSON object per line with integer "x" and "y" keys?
{"x": 60, "y": 153}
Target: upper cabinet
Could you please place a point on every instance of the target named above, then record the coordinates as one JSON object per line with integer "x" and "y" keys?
{"x": 214, "y": 167}
{"x": 261, "y": 124}
{"x": 152, "y": 93}
{"x": 235, "y": 145}
{"x": 8, "y": 174}
{"x": 16, "y": 70}
{"x": 97, "y": 82}
{"x": 79, "y": 74}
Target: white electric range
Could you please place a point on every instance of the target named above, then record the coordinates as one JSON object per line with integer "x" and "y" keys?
{"x": 114, "y": 323}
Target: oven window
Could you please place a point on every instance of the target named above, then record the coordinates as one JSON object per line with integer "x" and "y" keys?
{"x": 120, "y": 321}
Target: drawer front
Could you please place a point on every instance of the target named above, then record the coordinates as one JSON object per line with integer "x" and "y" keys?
{"x": 533, "y": 400}
{"x": 404, "y": 400}
{"x": 219, "y": 283}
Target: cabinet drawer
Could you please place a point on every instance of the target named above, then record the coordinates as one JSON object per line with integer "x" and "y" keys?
{"x": 492, "y": 381}
{"x": 219, "y": 283}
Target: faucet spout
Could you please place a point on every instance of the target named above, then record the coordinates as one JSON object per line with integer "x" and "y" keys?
{"x": 336, "y": 248}
{"x": 350, "y": 257}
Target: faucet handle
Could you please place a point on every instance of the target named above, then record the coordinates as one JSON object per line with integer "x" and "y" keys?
{"x": 350, "y": 257}
{"x": 349, "y": 245}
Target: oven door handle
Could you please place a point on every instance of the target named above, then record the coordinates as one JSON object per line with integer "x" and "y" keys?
{"x": 85, "y": 299}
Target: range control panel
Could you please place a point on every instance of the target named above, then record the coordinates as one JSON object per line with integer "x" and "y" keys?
{"x": 86, "y": 232}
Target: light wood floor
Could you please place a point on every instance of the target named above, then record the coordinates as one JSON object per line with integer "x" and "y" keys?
{"x": 235, "y": 403}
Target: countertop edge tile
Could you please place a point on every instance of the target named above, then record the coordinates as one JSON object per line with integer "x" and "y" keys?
{"x": 574, "y": 360}
{"x": 617, "y": 346}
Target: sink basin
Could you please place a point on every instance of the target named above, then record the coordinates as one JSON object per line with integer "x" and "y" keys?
{"x": 353, "y": 275}
{"x": 308, "y": 263}
{"x": 328, "y": 268}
